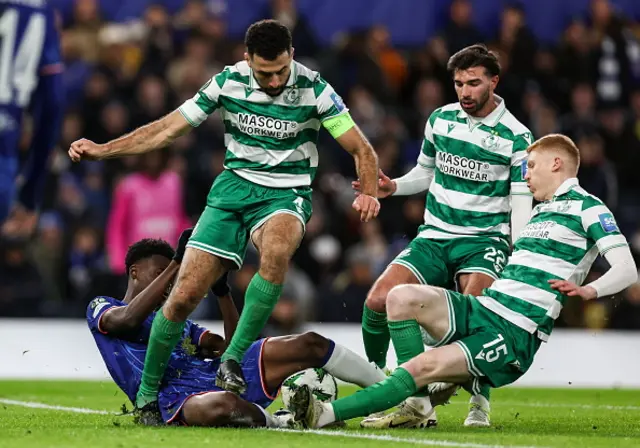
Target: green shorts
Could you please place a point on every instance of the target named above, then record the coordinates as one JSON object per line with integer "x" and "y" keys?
{"x": 439, "y": 262}
{"x": 236, "y": 208}
{"x": 497, "y": 352}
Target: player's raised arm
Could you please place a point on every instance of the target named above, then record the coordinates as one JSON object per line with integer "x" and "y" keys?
{"x": 155, "y": 135}
{"x": 124, "y": 320}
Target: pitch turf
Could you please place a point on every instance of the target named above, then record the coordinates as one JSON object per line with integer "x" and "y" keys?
{"x": 521, "y": 417}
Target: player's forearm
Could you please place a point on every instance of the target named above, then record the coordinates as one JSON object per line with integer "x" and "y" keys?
{"x": 366, "y": 162}
{"x": 155, "y": 135}
{"x": 129, "y": 318}
{"x": 230, "y": 315}
{"x": 622, "y": 273}
{"x": 415, "y": 181}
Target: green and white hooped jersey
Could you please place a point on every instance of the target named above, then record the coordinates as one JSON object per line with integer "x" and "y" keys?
{"x": 478, "y": 164}
{"x": 270, "y": 141}
{"x": 561, "y": 241}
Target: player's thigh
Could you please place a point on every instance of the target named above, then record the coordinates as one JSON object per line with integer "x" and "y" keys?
{"x": 427, "y": 260}
{"x": 276, "y": 214}
{"x": 286, "y": 355}
{"x": 446, "y": 364}
{"x": 220, "y": 408}
{"x": 428, "y": 305}
{"x": 478, "y": 255}
{"x": 393, "y": 275}
{"x": 198, "y": 271}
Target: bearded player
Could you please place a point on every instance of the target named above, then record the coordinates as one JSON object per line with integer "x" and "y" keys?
{"x": 473, "y": 162}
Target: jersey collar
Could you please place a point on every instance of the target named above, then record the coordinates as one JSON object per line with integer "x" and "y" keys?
{"x": 566, "y": 186}
{"x": 293, "y": 77}
{"x": 493, "y": 118}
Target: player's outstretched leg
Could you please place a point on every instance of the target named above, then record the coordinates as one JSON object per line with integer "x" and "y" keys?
{"x": 375, "y": 330}
{"x": 276, "y": 241}
{"x": 479, "y": 405}
{"x": 444, "y": 364}
{"x": 198, "y": 271}
{"x": 409, "y": 306}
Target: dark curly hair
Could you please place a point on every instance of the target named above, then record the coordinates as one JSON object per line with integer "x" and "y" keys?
{"x": 477, "y": 55}
{"x": 268, "y": 39}
{"x": 147, "y": 248}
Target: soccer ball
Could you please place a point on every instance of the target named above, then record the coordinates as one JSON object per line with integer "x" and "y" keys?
{"x": 322, "y": 384}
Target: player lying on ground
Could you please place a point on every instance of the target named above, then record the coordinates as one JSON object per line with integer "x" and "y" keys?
{"x": 272, "y": 108}
{"x": 493, "y": 338}
{"x": 188, "y": 394}
{"x": 31, "y": 82}
{"x": 472, "y": 164}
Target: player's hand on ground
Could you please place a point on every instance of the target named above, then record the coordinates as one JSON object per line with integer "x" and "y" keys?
{"x": 571, "y": 289}
{"x": 182, "y": 245}
{"x": 368, "y": 206}
{"x": 386, "y": 186}
{"x": 84, "y": 149}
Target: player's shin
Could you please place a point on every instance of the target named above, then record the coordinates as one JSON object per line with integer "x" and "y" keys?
{"x": 375, "y": 334}
{"x": 407, "y": 339}
{"x": 165, "y": 334}
{"x": 379, "y": 397}
{"x": 348, "y": 366}
{"x": 260, "y": 299}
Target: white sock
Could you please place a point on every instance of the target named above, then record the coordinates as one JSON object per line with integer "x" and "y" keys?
{"x": 420, "y": 404}
{"x": 481, "y": 401}
{"x": 327, "y": 417}
{"x": 347, "y": 366}
{"x": 270, "y": 421}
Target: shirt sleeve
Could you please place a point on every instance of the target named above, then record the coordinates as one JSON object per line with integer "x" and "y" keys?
{"x": 328, "y": 102}
{"x": 196, "y": 332}
{"x": 427, "y": 157}
{"x": 519, "y": 159}
{"x": 601, "y": 227}
{"x": 96, "y": 309}
{"x": 205, "y": 102}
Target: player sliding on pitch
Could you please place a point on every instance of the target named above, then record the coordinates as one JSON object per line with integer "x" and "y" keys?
{"x": 272, "y": 107}
{"x": 188, "y": 394}
{"x": 493, "y": 338}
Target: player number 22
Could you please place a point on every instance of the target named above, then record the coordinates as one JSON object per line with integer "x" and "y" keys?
{"x": 496, "y": 257}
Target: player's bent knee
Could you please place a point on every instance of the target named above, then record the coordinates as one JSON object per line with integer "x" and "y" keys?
{"x": 218, "y": 410}
{"x": 377, "y": 298}
{"x": 313, "y": 344}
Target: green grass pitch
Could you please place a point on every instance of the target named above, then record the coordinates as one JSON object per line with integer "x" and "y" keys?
{"x": 521, "y": 417}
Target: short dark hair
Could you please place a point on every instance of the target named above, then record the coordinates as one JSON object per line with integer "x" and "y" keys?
{"x": 147, "y": 248}
{"x": 268, "y": 39}
{"x": 477, "y": 55}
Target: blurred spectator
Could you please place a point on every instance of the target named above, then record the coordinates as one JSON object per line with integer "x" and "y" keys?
{"x": 22, "y": 288}
{"x": 304, "y": 40}
{"x": 146, "y": 204}
{"x": 460, "y": 32}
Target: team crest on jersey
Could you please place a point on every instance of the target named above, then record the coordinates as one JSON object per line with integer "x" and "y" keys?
{"x": 608, "y": 222}
{"x": 491, "y": 142}
{"x": 292, "y": 96}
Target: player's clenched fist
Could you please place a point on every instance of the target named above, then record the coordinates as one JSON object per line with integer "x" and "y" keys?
{"x": 84, "y": 149}
{"x": 368, "y": 206}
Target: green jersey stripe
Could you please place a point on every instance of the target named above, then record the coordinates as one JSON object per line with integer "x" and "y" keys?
{"x": 469, "y": 202}
{"x": 453, "y": 215}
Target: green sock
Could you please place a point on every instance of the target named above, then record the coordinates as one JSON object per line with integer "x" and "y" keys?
{"x": 407, "y": 339}
{"x": 375, "y": 334}
{"x": 485, "y": 391}
{"x": 260, "y": 298}
{"x": 379, "y": 397}
{"x": 164, "y": 337}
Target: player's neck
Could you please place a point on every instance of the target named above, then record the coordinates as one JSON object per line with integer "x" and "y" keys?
{"x": 489, "y": 107}
{"x": 131, "y": 292}
{"x": 554, "y": 184}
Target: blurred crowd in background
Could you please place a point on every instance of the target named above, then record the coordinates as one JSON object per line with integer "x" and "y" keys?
{"x": 122, "y": 75}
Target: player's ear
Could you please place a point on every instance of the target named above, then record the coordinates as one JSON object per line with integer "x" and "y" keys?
{"x": 133, "y": 272}
{"x": 558, "y": 163}
{"x": 292, "y": 52}
{"x": 247, "y": 58}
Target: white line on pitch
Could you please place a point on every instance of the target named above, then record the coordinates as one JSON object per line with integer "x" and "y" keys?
{"x": 32, "y": 404}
